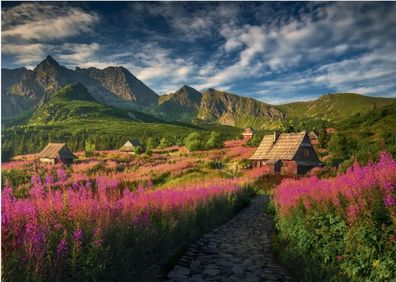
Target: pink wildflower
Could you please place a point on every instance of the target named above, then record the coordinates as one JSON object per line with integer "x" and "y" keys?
{"x": 61, "y": 250}
{"x": 389, "y": 201}
{"x": 78, "y": 234}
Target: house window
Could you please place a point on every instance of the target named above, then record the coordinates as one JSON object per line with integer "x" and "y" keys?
{"x": 306, "y": 153}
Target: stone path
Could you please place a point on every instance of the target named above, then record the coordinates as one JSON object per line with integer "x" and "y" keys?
{"x": 239, "y": 250}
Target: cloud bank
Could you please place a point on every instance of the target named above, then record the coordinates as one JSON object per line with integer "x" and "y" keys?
{"x": 274, "y": 52}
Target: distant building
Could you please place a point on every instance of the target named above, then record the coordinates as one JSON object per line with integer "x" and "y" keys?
{"x": 286, "y": 153}
{"x": 130, "y": 146}
{"x": 330, "y": 130}
{"x": 55, "y": 153}
{"x": 247, "y": 133}
{"x": 313, "y": 138}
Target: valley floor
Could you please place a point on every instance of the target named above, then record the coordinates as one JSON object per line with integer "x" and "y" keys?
{"x": 239, "y": 250}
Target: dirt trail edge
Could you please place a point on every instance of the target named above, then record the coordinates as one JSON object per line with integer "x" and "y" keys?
{"x": 239, "y": 250}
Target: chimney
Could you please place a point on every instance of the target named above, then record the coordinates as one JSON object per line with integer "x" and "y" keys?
{"x": 276, "y": 135}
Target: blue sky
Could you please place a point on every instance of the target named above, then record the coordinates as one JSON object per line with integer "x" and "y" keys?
{"x": 275, "y": 52}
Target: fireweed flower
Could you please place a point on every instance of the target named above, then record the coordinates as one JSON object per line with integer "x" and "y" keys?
{"x": 36, "y": 238}
{"x": 78, "y": 234}
{"x": 112, "y": 183}
{"x": 35, "y": 180}
{"x": 6, "y": 195}
{"x": 49, "y": 180}
{"x": 353, "y": 186}
{"x": 352, "y": 212}
{"x": 388, "y": 187}
{"x": 62, "y": 175}
{"x": 389, "y": 201}
{"x": 100, "y": 204}
{"x": 61, "y": 250}
{"x": 37, "y": 192}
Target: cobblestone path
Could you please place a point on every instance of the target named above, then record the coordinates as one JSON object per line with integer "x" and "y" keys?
{"x": 239, "y": 250}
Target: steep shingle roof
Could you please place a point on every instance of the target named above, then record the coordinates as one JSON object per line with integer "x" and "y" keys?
{"x": 130, "y": 146}
{"x": 284, "y": 148}
{"x": 312, "y": 135}
{"x": 263, "y": 148}
{"x": 55, "y": 150}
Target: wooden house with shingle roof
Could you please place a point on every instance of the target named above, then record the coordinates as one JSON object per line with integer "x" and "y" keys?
{"x": 56, "y": 153}
{"x": 130, "y": 146}
{"x": 287, "y": 153}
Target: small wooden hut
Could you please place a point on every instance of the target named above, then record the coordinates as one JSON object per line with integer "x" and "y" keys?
{"x": 130, "y": 146}
{"x": 55, "y": 153}
{"x": 331, "y": 130}
{"x": 247, "y": 133}
{"x": 286, "y": 153}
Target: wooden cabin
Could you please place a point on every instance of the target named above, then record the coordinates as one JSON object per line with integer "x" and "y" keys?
{"x": 286, "y": 153}
{"x": 55, "y": 153}
{"x": 130, "y": 146}
{"x": 247, "y": 134}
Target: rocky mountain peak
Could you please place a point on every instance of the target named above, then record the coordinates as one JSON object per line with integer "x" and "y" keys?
{"x": 188, "y": 90}
{"x": 48, "y": 62}
{"x": 121, "y": 83}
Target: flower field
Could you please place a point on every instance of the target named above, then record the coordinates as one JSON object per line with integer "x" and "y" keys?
{"x": 345, "y": 225}
{"x": 114, "y": 216}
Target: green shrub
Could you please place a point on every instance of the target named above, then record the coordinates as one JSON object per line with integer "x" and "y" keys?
{"x": 215, "y": 141}
{"x": 15, "y": 177}
{"x": 164, "y": 143}
{"x": 138, "y": 150}
{"x": 255, "y": 140}
{"x": 332, "y": 247}
{"x": 194, "y": 142}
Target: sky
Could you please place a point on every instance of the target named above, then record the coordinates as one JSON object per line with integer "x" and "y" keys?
{"x": 275, "y": 52}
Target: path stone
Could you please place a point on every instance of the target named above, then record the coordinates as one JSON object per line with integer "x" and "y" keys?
{"x": 239, "y": 250}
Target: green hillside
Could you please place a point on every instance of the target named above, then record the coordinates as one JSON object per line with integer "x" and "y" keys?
{"x": 383, "y": 118}
{"x": 363, "y": 136}
{"x": 378, "y": 126}
{"x": 74, "y": 103}
{"x": 334, "y": 107}
{"x": 73, "y": 116}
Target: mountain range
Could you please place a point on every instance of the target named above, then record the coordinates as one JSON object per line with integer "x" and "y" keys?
{"x": 116, "y": 91}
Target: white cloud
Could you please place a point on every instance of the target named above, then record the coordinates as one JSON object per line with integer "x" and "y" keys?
{"x": 30, "y": 31}
{"x": 310, "y": 47}
{"x": 371, "y": 73}
{"x": 46, "y": 23}
{"x": 25, "y": 54}
{"x": 252, "y": 38}
{"x": 187, "y": 23}
{"x": 28, "y": 48}
{"x": 75, "y": 53}
{"x": 340, "y": 48}
{"x": 326, "y": 46}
